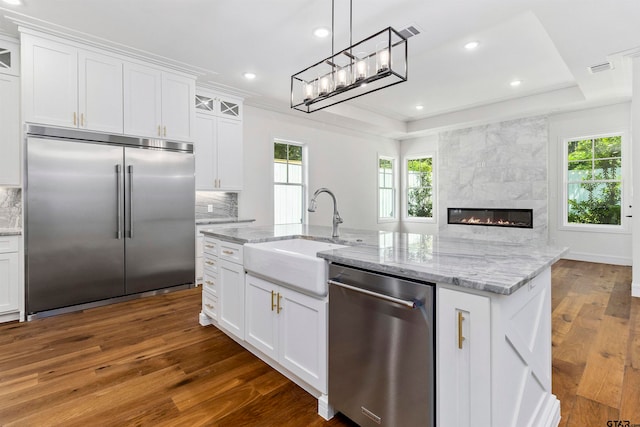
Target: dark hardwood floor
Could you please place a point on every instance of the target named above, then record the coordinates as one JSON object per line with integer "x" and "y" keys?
{"x": 149, "y": 362}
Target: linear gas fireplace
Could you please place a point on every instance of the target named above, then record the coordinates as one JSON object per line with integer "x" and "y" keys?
{"x": 518, "y": 218}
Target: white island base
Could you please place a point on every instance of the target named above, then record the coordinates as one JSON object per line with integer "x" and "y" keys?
{"x": 494, "y": 357}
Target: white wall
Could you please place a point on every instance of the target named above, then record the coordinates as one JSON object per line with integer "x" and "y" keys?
{"x": 342, "y": 160}
{"x": 613, "y": 248}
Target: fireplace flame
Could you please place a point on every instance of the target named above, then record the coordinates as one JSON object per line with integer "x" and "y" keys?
{"x": 488, "y": 221}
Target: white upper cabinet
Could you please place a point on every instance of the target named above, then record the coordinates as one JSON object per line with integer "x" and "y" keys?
{"x": 70, "y": 87}
{"x": 218, "y": 142}
{"x": 9, "y": 112}
{"x": 50, "y": 82}
{"x": 100, "y": 92}
{"x": 218, "y": 152}
{"x": 158, "y": 104}
{"x": 68, "y": 83}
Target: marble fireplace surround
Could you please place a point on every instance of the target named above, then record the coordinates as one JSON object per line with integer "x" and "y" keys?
{"x": 499, "y": 165}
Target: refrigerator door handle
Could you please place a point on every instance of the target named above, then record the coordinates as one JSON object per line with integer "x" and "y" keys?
{"x": 130, "y": 170}
{"x": 119, "y": 201}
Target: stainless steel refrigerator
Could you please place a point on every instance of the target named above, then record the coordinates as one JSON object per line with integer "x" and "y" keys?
{"x": 106, "y": 216}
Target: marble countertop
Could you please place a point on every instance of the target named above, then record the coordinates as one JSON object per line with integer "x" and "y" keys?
{"x": 229, "y": 220}
{"x": 497, "y": 267}
{"x": 10, "y": 231}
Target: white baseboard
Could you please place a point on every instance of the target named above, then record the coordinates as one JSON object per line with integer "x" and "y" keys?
{"x": 635, "y": 289}
{"x": 602, "y": 259}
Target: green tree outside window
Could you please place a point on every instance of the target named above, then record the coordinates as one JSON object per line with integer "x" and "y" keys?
{"x": 594, "y": 181}
{"x": 420, "y": 187}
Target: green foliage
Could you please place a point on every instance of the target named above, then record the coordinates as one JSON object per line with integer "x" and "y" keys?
{"x": 420, "y": 188}
{"x": 594, "y": 181}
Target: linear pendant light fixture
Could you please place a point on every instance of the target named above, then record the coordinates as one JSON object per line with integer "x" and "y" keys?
{"x": 377, "y": 62}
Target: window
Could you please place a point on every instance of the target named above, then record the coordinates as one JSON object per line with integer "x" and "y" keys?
{"x": 289, "y": 180}
{"x": 386, "y": 188}
{"x": 593, "y": 192}
{"x": 419, "y": 188}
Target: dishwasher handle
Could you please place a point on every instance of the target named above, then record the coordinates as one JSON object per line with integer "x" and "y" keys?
{"x": 408, "y": 304}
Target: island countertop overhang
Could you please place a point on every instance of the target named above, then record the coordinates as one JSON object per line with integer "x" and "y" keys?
{"x": 496, "y": 267}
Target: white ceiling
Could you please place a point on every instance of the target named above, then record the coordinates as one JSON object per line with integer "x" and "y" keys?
{"x": 548, "y": 44}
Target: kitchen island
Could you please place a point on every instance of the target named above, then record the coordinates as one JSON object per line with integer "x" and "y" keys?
{"x": 493, "y": 316}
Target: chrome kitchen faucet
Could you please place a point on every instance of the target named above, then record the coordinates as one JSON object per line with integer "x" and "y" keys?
{"x": 336, "y": 216}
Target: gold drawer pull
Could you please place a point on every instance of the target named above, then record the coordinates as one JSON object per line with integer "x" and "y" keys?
{"x": 210, "y": 262}
{"x": 279, "y": 308}
{"x": 209, "y": 282}
{"x": 273, "y": 304}
{"x": 227, "y": 252}
{"x": 209, "y": 306}
{"x": 460, "y": 337}
{"x": 209, "y": 246}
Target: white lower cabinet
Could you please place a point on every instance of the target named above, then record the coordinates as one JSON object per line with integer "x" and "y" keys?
{"x": 231, "y": 300}
{"x": 289, "y": 327}
{"x": 464, "y": 353}
{"x": 10, "y": 282}
{"x": 494, "y": 357}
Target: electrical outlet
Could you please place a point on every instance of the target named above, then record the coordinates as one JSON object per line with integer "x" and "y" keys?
{"x": 209, "y": 208}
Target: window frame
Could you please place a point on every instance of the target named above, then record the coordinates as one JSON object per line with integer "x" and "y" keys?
{"x": 434, "y": 186}
{"x": 563, "y": 222}
{"x": 394, "y": 188}
{"x": 304, "y": 173}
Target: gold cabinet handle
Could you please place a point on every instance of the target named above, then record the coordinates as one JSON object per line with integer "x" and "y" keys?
{"x": 165, "y": 131}
{"x": 82, "y": 119}
{"x": 210, "y": 263}
{"x": 460, "y": 337}
{"x": 227, "y": 252}
{"x": 279, "y": 307}
{"x": 209, "y": 282}
{"x": 209, "y": 246}
{"x": 75, "y": 118}
{"x": 209, "y": 306}
{"x": 273, "y": 304}
{"x": 159, "y": 134}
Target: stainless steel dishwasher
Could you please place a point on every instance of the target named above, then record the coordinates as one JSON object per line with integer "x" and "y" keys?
{"x": 381, "y": 348}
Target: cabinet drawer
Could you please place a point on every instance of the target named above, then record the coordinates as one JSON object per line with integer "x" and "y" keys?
{"x": 230, "y": 252}
{"x": 210, "y": 283}
{"x": 210, "y": 263}
{"x": 8, "y": 244}
{"x": 210, "y": 246}
{"x": 210, "y": 304}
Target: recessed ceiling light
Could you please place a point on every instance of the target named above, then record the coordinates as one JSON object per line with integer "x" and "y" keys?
{"x": 249, "y": 76}
{"x": 419, "y": 107}
{"x": 321, "y": 32}
{"x": 13, "y": 2}
{"x": 516, "y": 83}
{"x": 472, "y": 45}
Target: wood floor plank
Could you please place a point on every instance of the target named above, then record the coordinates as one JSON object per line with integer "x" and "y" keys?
{"x": 588, "y": 413}
{"x": 630, "y": 406}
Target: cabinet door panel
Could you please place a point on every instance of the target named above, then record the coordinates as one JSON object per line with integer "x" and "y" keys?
{"x": 142, "y": 101}
{"x": 50, "y": 73}
{"x": 205, "y": 152}
{"x": 303, "y": 337}
{"x": 261, "y": 316}
{"x": 231, "y": 300}
{"x": 178, "y": 108}
{"x": 9, "y": 282}
{"x": 9, "y": 130}
{"x": 100, "y": 87}
{"x": 230, "y": 169}
{"x": 464, "y": 391}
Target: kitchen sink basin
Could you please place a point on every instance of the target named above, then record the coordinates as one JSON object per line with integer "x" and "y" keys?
{"x": 291, "y": 262}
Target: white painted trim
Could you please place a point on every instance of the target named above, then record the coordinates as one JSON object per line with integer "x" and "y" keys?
{"x": 551, "y": 412}
{"x": 635, "y": 289}
{"x": 602, "y": 259}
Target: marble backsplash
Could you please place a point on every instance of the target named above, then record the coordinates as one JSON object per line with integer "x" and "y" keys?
{"x": 501, "y": 165}
{"x": 225, "y": 205}
{"x": 10, "y": 207}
